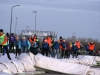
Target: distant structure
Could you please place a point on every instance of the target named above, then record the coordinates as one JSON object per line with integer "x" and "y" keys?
{"x": 38, "y": 33}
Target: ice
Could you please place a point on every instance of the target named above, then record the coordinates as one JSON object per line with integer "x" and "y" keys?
{"x": 94, "y": 71}
{"x": 26, "y": 62}
{"x": 56, "y": 65}
{"x": 97, "y": 58}
{"x": 5, "y": 72}
{"x": 83, "y": 59}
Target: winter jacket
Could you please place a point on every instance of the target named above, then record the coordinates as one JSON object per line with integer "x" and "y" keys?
{"x": 17, "y": 42}
{"x": 12, "y": 38}
{"x": 56, "y": 45}
{"x": 45, "y": 45}
{"x": 25, "y": 43}
{"x": 35, "y": 45}
{"x": 74, "y": 48}
{"x": 64, "y": 46}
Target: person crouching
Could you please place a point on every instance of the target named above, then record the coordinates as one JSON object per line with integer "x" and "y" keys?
{"x": 34, "y": 47}
{"x": 24, "y": 45}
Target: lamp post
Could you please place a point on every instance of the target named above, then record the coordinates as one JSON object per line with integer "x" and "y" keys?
{"x": 35, "y": 20}
{"x": 11, "y": 17}
{"x": 16, "y": 24}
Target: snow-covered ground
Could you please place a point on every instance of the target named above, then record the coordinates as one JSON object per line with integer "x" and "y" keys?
{"x": 26, "y": 62}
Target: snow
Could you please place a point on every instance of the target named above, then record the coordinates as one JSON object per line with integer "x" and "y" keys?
{"x": 26, "y": 62}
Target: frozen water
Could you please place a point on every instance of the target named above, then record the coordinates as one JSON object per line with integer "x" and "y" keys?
{"x": 26, "y": 62}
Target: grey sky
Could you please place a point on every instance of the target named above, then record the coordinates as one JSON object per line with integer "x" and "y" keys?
{"x": 63, "y": 16}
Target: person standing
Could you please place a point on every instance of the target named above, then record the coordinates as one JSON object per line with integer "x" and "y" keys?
{"x": 57, "y": 48}
{"x": 79, "y": 45}
{"x": 64, "y": 46}
{"x": 11, "y": 42}
{"x": 67, "y": 51}
{"x": 75, "y": 51}
{"x": 91, "y": 48}
{"x": 49, "y": 40}
{"x": 17, "y": 43}
{"x": 45, "y": 47}
{"x": 3, "y": 42}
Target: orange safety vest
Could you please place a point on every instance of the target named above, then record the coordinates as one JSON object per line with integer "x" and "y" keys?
{"x": 49, "y": 40}
{"x": 91, "y": 47}
{"x": 35, "y": 39}
{"x": 30, "y": 40}
{"x": 78, "y": 45}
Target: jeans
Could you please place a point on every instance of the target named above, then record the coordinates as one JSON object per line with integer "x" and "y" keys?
{"x": 90, "y": 52}
{"x": 45, "y": 51}
{"x": 6, "y": 48}
{"x": 62, "y": 53}
{"x": 51, "y": 52}
{"x": 57, "y": 52}
{"x": 24, "y": 50}
{"x": 67, "y": 53}
{"x": 17, "y": 50}
{"x": 33, "y": 50}
{"x": 75, "y": 53}
{"x": 11, "y": 46}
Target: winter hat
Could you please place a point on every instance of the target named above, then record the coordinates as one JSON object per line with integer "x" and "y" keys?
{"x": 1, "y": 30}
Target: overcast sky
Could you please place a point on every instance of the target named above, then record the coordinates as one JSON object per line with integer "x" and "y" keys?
{"x": 63, "y": 16}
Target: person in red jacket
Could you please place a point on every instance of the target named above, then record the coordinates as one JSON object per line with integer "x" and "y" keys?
{"x": 91, "y": 48}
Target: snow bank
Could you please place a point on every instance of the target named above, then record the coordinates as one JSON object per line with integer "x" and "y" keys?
{"x": 56, "y": 65}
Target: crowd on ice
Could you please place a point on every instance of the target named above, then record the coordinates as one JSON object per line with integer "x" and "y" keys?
{"x": 48, "y": 47}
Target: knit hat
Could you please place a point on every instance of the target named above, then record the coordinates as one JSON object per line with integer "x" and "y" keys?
{"x": 1, "y": 30}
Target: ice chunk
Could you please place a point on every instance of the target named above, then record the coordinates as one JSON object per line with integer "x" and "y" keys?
{"x": 58, "y": 66}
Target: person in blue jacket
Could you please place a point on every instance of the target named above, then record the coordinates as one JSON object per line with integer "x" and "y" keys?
{"x": 24, "y": 45}
{"x": 17, "y": 43}
{"x": 87, "y": 49}
{"x": 64, "y": 46}
{"x": 56, "y": 47}
{"x": 45, "y": 47}
{"x": 75, "y": 51}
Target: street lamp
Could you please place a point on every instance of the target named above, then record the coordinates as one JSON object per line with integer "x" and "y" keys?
{"x": 11, "y": 17}
{"x": 16, "y": 24}
{"x": 35, "y": 20}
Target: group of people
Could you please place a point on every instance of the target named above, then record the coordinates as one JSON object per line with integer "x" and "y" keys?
{"x": 49, "y": 46}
